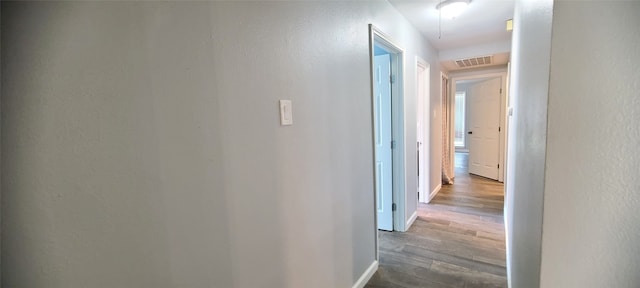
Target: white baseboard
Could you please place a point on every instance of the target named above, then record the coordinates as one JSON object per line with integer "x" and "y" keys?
{"x": 367, "y": 275}
{"x": 413, "y": 217}
{"x": 434, "y": 192}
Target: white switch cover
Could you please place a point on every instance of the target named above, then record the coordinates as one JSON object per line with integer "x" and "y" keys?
{"x": 286, "y": 114}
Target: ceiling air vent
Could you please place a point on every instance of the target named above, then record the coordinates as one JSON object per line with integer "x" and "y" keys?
{"x": 472, "y": 62}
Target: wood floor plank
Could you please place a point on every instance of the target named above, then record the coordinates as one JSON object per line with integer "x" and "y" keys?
{"x": 456, "y": 241}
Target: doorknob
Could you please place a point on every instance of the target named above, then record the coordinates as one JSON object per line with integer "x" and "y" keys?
{"x": 470, "y": 132}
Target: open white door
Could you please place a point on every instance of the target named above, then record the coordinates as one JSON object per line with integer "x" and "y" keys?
{"x": 483, "y": 132}
{"x": 383, "y": 157}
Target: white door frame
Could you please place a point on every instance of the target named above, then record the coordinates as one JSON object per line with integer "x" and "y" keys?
{"x": 503, "y": 109}
{"x": 425, "y": 174}
{"x": 377, "y": 37}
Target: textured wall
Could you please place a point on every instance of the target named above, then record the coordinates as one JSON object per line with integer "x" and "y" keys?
{"x": 114, "y": 169}
{"x": 141, "y": 144}
{"x": 592, "y": 191}
{"x": 527, "y": 140}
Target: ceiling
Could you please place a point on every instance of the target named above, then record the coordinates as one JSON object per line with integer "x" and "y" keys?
{"x": 482, "y": 26}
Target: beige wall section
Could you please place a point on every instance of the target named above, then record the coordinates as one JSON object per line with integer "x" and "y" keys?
{"x": 592, "y": 190}
{"x": 142, "y": 148}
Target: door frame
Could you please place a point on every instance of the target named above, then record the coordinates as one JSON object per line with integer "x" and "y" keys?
{"x": 503, "y": 109}
{"x": 377, "y": 37}
{"x": 450, "y": 112}
{"x": 423, "y": 192}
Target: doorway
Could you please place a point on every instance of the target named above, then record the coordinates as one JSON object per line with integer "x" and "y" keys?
{"x": 480, "y": 122}
{"x": 383, "y": 137}
{"x": 423, "y": 128}
{"x": 388, "y": 135}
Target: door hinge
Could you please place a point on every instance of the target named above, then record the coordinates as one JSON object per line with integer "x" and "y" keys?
{"x": 393, "y": 144}
{"x": 393, "y": 207}
{"x": 498, "y": 166}
{"x": 392, "y": 79}
{"x": 500, "y": 90}
{"x": 499, "y": 128}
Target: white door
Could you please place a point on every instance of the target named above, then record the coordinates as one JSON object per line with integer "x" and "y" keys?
{"x": 484, "y": 122}
{"x": 382, "y": 123}
{"x": 420, "y": 132}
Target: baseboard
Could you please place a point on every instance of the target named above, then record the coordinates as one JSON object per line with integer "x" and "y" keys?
{"x": 413, "y": 217}
{"x": 366, "y": 276}
{"x": 434, "y": 192}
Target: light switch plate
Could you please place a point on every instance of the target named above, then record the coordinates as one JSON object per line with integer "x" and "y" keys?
{"x": 286, "y": 113}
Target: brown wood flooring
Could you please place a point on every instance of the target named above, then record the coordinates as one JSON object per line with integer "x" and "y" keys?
{"x": 456, "y": 241}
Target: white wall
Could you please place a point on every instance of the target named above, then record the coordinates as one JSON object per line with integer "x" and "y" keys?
{"x": 479, "y": 73}
{"x": 592, "y": 190}
{"x": 473, "y": 51}
{"x": 527, "y": 140}
{"x": 141, "y": 144}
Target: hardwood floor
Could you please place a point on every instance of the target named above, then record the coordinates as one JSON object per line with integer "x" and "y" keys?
{"x": 456, "y": 241}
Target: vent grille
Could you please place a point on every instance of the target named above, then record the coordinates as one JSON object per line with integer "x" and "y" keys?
{"x": 472, "y": 62}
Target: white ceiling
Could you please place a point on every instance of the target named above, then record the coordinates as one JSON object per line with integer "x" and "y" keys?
{"x": 481, "y": 25}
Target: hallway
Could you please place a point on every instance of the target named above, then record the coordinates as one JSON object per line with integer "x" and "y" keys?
{"x": 456, "y": 241}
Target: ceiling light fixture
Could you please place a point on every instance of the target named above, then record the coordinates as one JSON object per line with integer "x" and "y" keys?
{"x": 452, "y": 8}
